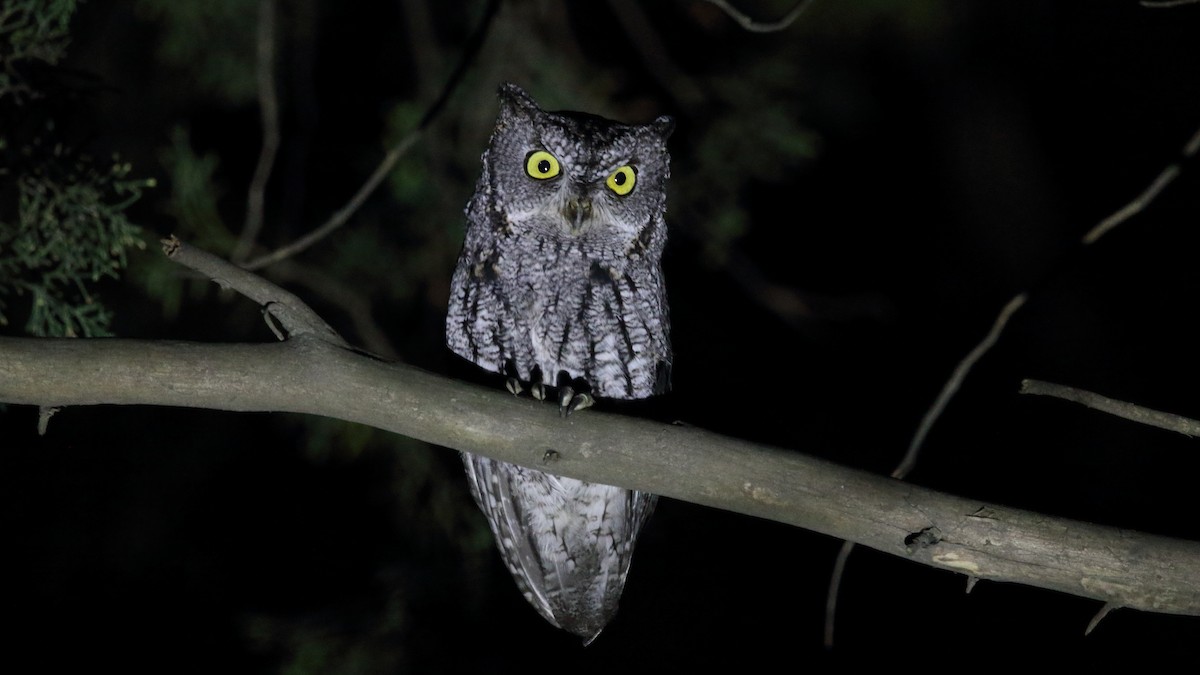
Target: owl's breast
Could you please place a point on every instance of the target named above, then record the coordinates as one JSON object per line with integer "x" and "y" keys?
{"x": 592, "y": 313}
{"x": 573, "y": 306}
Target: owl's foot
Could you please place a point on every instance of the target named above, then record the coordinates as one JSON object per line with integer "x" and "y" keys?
{"x": 569, "y": 401}
{"x": 572, "y": 394}
{"x": 514, "y": 386}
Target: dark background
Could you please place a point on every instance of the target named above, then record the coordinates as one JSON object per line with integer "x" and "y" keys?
{"x": 853, "y": 200}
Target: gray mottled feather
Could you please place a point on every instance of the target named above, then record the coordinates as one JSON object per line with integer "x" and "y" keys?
{"x": 526, "y": 290}
{"x": 567, "y": 543}
{"x": 540, "y": 288}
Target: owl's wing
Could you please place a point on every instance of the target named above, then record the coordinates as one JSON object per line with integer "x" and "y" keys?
{"x": 567, "y": 543}
{"x": 492, "y": 486}
{"x": 649, "y": 300}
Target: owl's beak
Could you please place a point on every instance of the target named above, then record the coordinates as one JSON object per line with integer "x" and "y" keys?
{"x": 576, "y": 211}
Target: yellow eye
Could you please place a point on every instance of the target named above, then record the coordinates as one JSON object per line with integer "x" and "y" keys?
{"x": 622, "y": 180}
{"x": 541, "y": 165}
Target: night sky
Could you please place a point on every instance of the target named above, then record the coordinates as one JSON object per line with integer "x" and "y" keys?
{"x": 853, "y": 201}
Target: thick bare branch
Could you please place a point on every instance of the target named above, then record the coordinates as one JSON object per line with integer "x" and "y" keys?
{"x": 308, "y": 375}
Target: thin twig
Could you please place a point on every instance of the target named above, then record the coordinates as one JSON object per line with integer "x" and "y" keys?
{"x": 1165, "y": 4}
{"x": 1105, "y": 226}
{"x": 1132, "y": 208}
{"x": 654, "y": 54}
{"x": 952, "y": 385}
{"x": 268, "y": 103}
{"x": 343, "y": 214}
{"x": 785, "y": 303}
{"x": 1122, "y": 409}
{"x": 835, "y": 584}
{"x": 964, "y": 367}
{"x": 45, "y": 412}
{"x": 758, "y": 27}
{"x": 422, "y": 46}
{"x": 914, "y": 447}
{"x": 1108, "y": 607}
{"x": 345, "y": 298}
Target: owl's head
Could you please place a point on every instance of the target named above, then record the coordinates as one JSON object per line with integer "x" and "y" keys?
{"x": 570, "y": 174}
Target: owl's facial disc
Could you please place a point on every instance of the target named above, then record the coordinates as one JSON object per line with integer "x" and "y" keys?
{"x": 577, "y": 210}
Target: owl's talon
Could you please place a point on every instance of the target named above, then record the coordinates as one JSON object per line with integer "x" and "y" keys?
{"x": 514, "y": 386}
{"x": 565, "y": 394}
{"x": 580, "y": 402}
{"x": 570, "y": 402}
{"x": 538, "y": 390}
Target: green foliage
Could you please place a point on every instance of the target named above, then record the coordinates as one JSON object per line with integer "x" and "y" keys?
{"x": 70, "y": 232}
{"x": 762, "y": 139}
{"x": 308, "y": 647}
{"x": 193, "y": 203}
{"x": 409, "y": 180}
{"x": 425, "y": 508}
{"x": 212, "y": 41}
{"x": 62, "y": 214}
{"x": 853, "y": 21}
{"x": 194, "y": 192}
{"x": 62, "y": 221}
{"x": 31, "y": 30}
{"x": 431, "y": 510}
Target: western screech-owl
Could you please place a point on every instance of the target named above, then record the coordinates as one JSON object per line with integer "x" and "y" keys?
{"x": 559, "y": 286}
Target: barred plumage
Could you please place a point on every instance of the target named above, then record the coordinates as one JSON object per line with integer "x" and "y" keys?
{"x": 559, "y": 284}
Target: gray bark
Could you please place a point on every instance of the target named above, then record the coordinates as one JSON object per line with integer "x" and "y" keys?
{"x": 307, "y": 374}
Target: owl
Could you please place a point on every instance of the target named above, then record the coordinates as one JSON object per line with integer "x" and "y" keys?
{"x": 559, "y": 288}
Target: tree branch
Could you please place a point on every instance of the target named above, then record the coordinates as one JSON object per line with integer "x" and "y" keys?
{"x": 1166, "y": 4}
{"x": 952, "y": 385}
{"x": 758, "y": 26}
{"x": 309, "y": 375}
{"x": 968, "y": 362}
{"x": 1164, "y": 178}
{"x": 1123, "y": 409}
{"x": 297, "y": 318}
{"x": 342, "y": 215}
{"x": 268, "y": 103}
{"x": 949, "y": 389}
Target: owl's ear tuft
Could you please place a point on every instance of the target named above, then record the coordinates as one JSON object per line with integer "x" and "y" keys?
{"x": 513, "y": 99}
{"x": 663, "y": 126}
